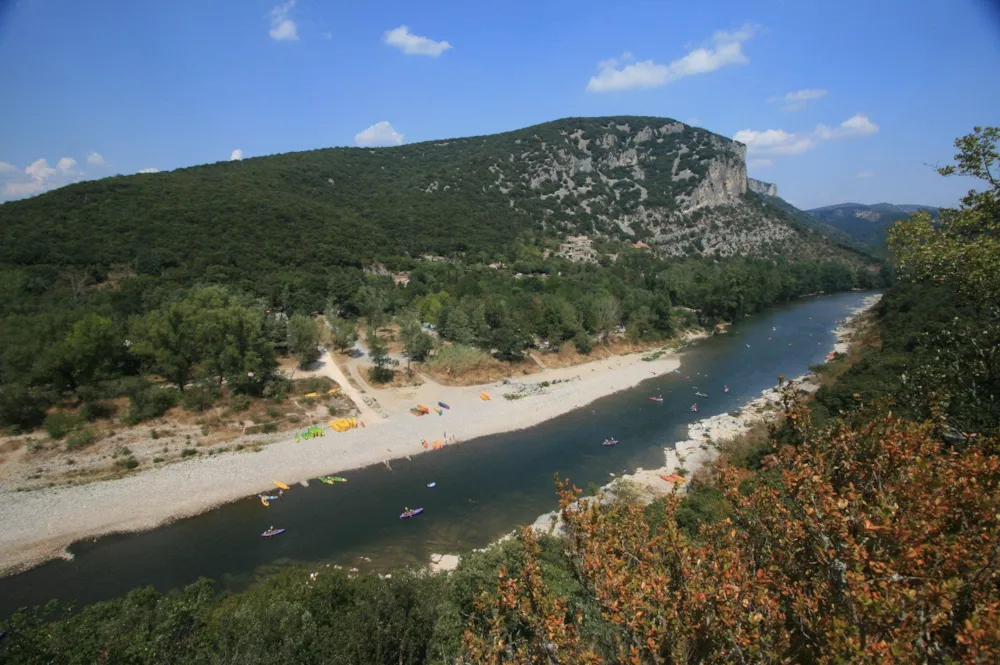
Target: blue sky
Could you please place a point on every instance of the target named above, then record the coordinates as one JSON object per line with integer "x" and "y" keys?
{"x": 844, "y": 101}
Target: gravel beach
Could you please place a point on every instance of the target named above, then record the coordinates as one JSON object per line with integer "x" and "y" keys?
{"x": 40, "y": 525}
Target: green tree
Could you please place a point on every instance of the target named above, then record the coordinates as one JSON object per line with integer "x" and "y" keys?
{"x": 382, "y": 364}
{"x": 372, "y": 302}
{"x": 416, "y": 343}
{"x": 303, "y": 339}
{"x": 965, "y": 246}
{"x": 343, "y": 333}
{"x": 90, "y": 354}
{"x": 168, "y": 340}
{"x": 606, "y": 313}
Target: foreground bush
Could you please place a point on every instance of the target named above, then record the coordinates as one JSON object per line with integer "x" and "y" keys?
{"x": 877, "y": 543}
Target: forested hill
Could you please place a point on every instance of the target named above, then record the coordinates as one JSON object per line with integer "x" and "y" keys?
{"x": 681, "y": 189}
{"x": 867, "y": 224}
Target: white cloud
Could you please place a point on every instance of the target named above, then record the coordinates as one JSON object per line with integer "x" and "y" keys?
{"x": 866, "y": 174}
{"x": 236, "y": 155}
{"x": 40, "y": 169}
{"x": 796, "y": 101}
{"x": 856, "y": 125}
{"x": 412, "y": 44}
{"x": 780, "y": 142}
{"x": 760, "y": 163}
{"x": 149, "y": 170}
{"x": 726, "y": 48}
{"x": 328, "y": 35}
{"x": 381, "y": 133}
{"x": 282, "y": 27}
{"x": 66, "y": 165}
{"x": 37, "y": 177}
{"x": 95, "y": 159}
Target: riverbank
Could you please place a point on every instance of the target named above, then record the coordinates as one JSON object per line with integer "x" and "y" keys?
{"x": 41, "y": 525}
{"x": 684, "y": 458}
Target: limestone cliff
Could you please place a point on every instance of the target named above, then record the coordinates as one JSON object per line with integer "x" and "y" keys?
{"x": 678, "y": 188}
{"x": 761, "y": 187}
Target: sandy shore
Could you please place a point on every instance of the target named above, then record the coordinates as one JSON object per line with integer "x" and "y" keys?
{"x": 40, "y": 525}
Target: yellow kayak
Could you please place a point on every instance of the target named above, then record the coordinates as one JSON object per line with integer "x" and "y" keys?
{"x": 282, "y": 485}
{"x": 265, "y": 502}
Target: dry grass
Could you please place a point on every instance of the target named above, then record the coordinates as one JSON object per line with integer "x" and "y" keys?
{"x": 568, "y": 356}
{"x": 458, "y": 365}
{"x": 13, "y": 445}
{"x": 400, "y": 379}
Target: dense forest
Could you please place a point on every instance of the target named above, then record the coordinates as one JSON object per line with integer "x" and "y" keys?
{"x": 862, "y": 527}
{"x": 282, "y": 226}
{"x": 107, "y": 343}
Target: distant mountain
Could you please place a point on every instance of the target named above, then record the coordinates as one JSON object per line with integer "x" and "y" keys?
{"x": 680, "y": 190}
{"x": 866, "y": 224}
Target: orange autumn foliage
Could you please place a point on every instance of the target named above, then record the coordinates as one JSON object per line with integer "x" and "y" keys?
{"x": 871, "y": 542}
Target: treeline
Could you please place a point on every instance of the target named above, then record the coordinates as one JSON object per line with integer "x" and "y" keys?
{"x": 863, "y": 527}
{"x": 114, "y": 340}
{"x": 184, "y": 349}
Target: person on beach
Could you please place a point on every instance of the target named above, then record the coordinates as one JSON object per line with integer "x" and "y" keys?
{"x": 281, "y": 494}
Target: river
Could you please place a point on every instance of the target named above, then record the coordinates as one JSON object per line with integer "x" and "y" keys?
{"x": 485, "y": 487}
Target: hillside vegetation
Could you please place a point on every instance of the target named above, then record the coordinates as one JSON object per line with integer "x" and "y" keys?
{"x": 866, "y": 224}
{"x": 291, "y": 222}
{"x": 155, "y": 287}
{"x": 862, "y": 528}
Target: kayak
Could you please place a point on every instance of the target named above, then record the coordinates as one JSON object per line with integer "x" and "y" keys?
{"x": 272, "y": 532}
{"x": 655, "y": 399}
{"x": 282, "y": 485}
{"x": 264, "y": 500}
{"x": 432, "y": 484}
{"x": 330, "y": 480}
{"x": 701, "y": 394}
{"x": 269, "y": 497}
{"x": 672, "y": 478}
{"x": 411, "y": 513}
{"x": 610, "y": 442}
{"x": 443, "y": 405}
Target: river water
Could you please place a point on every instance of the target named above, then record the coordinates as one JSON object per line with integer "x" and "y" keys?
{"x": 485, "y": 487}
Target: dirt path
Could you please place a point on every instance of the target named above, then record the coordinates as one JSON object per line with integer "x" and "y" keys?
{"x": 327, "y": 366}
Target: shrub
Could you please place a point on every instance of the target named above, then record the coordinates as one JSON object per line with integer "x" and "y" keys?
{"x": 81, "y": 438}
{"x": 269, "y": 428}
{"x": 198, "y": 398}
{"x": 188, "y": 452}
{"x": 239, "y": 402}
{"x": 147, "y": 401}
{"x": 127, "y": 463}
{"x": 92, "y": 411}
{"x": 60, "y": 424}
{"x": 459, "y": 358}
{"x": 582, "y": 343}
{"x": 21, "y": 407}
{"x": 278, "y": 389}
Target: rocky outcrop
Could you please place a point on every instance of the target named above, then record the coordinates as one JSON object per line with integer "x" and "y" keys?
{"x": 726, "y": 180}
{"x": 680, "y": 189}
{"x": 761, "y": 187}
